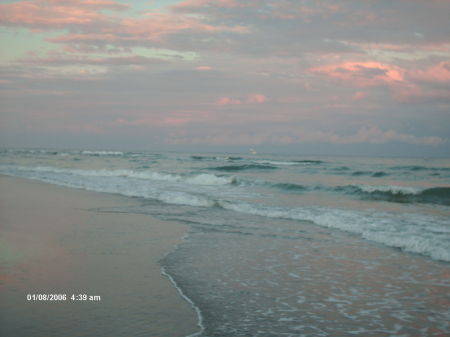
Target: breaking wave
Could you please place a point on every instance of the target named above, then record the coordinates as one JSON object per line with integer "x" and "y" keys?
{"x": 412, "y": 235}
{"x": 101, "y": 153}
{"x": 309, "y": 161}
{"x": 214, "y": 158}
{"x": 402, "y": 194}
{"x": 244, "y": 167}
{"x": 193, "y": 179}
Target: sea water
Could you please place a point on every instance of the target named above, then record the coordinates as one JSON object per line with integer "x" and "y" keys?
{"x": 286, "y": 245}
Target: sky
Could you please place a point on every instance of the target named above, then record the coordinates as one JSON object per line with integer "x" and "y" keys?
{"x": 346, "y": 77}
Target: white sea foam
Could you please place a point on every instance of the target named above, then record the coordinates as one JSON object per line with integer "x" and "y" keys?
{"x": 182, "y": 198}
{"x": 394, "y": 189}
{"x": 210, "y": 179}
{"x": 275, "y": 162}
{"x": 102, "y": 153}
{"x": 187, "y": 299}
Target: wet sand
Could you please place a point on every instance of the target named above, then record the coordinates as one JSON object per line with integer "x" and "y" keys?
{"x": 56, "y": 240}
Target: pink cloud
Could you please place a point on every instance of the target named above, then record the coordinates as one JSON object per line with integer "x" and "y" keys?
{"x": 55, "y": 13}
{"x": 87, "y": 25}
{"x": 154, "y": 29}
{"x": 360, "y": 95}
{"x": 203, "y": 68}
{"x": 421, "y": 85}
{"x": 406, "y": 85}
{"x": 228, "y": 101}
{"x": 256, "y": 99}
{"x": 156, "y": 25}
{"x": 410, "y": 92}
{"x": 362, "y": 74}
{"x": 439, "y": 73}
{"x": 250, "y": 99}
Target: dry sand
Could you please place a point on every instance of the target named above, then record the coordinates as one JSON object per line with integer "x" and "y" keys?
{"x": 56, "y": 240}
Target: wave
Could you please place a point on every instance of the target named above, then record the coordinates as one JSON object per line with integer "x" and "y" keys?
{"x": 200, "y": 158}
{"x": 213, "y": 158}
{"x": 289, "y": 163}
{"x": 309, "y": 161}
{"x": 290, "y": 187}
{"x": 275, "y": 162}
{"x": 361, "y": 173}
{"x": 419, "y": 168}
{"x": 30, "y": 151}
{"x": 66, "y": 152}
{"x": 340, "y": 168}
{"x": 377, "y": 174}
{"x": 184, "y": 198}
{"x": 402, "y": 194}
{"x": 193, "y": 179}
{"x": 101, "y": 153}
{"x": 123, "y": 182}
{"x": 244, "y": 167}
{"x": 409, "y": 232}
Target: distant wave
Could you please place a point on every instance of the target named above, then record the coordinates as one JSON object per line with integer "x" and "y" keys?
{"x": 288, "y": 163}
{"x": 290, "y": 187}
{"x": 275, "y": 162}
{"x": 402, "y": 194}
{"x": 361, "y": 173}
{"x": 340, "y": 168}
{"x": 67, "y": 152}
{"x": 30, "y": 151}
{"x": 419, "y": 168}
{"x": 206, "y": 158}
{"x": 309, "y": 161}
{"x": 244, "y": 167}
{"x": 200, "y": 157}
{"x": 101, "y": 153}
{"x": 377, "y": 174}
{"x": 264, "y": 162}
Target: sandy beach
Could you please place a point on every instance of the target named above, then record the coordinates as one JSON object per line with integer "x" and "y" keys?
{"x": 56, "y": 240}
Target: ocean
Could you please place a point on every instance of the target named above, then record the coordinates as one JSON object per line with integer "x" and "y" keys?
{"x": 285, "y": 245}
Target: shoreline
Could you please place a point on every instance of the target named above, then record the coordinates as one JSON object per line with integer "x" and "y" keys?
{"x": 60, "y": 240}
